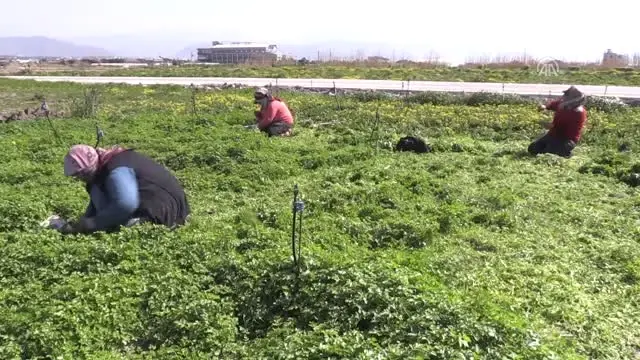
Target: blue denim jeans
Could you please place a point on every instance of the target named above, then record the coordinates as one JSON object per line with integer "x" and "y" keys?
{"x": 99, "y": 201}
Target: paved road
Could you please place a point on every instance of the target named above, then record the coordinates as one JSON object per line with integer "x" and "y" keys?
{"x": 522, "y": 89}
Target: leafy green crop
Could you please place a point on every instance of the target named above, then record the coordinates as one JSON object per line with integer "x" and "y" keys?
{"x": 525, "y": 74}
{"x": 474, "y": 250}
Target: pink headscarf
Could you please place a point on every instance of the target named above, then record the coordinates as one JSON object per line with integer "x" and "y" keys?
{"x": 85, "y": 159}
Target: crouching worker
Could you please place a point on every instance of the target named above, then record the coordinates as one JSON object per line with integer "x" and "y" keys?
{"x": 274, "y": 117}
{"x": 125, "y": 188}
{"x": 566, "y": 129}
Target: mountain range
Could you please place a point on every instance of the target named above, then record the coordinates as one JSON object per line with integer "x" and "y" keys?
{"x": 40, "y": 46}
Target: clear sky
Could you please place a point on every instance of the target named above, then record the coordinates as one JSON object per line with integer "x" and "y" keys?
{"x": 454, "y": 29}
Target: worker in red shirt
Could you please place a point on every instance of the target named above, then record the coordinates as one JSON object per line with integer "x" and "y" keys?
{"x": 568, "y": 122}
{"x": 274, "y": 117}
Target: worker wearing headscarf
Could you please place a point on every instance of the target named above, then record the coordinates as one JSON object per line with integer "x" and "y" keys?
{"x": 274, "y": 117}
{"x": 125, "y": 187}
{"x": 568, "y": 123}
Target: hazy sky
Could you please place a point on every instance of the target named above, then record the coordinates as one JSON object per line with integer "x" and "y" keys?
{"x": 453, "y": 29}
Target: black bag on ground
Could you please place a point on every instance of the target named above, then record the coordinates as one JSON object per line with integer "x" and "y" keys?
{"x": 410, "y": 143}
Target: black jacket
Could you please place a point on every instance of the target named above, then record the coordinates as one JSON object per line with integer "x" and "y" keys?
{"x": 162, "y": 198}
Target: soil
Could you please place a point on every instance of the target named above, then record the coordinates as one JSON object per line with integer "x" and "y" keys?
{"x": 28, "y": 114}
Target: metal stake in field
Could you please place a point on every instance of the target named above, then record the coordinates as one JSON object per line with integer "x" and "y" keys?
{"x": 99, "y": 135}
{"x": 376, "y": 124}
{"x": 194, "y": 100}
{"x": 335, "y": 93}
{"x": 406, "y": 93}
{"x": 44, "y": 107}
{"x": 298, "y": 207}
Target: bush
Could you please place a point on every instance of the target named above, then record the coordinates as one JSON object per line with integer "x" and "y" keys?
{"x": 605, "y": 104}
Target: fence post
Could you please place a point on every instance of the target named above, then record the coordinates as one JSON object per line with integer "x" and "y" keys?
{"x": 606, "y": 87}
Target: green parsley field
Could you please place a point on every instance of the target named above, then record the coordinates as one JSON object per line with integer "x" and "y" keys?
{"x": 474, "y": 250}
{"x": 528, "y": 74}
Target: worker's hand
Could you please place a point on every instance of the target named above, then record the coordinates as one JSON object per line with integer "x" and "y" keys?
{"x": 53, "y": 222}
{"x": 542, "y": 107}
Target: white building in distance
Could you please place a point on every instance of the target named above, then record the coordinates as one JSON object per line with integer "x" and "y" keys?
{"x": 239, "y": 53}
